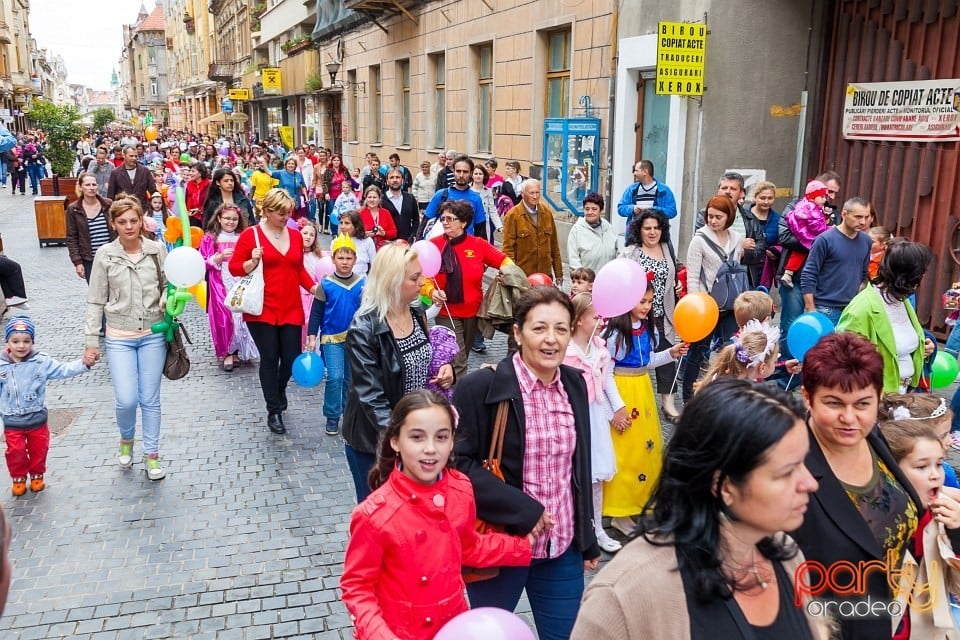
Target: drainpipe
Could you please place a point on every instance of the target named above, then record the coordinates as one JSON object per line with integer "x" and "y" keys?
{"x": 612, "y": 99}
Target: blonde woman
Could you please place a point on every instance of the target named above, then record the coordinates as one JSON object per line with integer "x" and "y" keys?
{"x": 388, "y": 352}
{"x": 276, "y": 331}
{"x": 126, "y": 280}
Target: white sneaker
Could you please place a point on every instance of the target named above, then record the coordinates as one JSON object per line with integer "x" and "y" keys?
{"x": 625, "y": 526}
{"x": 14, "y": 301}
{"x": 153, "y": 468}
{"x": 125, "y": 454}
{"x": 607, "y": 543}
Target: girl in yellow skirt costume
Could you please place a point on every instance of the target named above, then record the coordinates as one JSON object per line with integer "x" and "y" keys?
{"x": 637, "y": 441}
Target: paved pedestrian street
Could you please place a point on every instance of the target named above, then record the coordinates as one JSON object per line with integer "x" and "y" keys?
{"x": 243, "y": 539}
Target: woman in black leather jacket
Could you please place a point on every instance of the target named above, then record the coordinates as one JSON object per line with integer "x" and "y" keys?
{"x": 388, "y": 352}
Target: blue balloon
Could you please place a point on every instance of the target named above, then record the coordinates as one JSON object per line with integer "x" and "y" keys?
{"x": 308, "y": 369}
{"x": 806, "y": 331}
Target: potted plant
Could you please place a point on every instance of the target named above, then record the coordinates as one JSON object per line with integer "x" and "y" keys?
{"x": 59, "y": 123}
{"x": 259, "y": 9}
{"x": 313, "y": 83}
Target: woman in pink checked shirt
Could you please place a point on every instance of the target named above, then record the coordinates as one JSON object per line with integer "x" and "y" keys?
{"x": 545, "y": 464}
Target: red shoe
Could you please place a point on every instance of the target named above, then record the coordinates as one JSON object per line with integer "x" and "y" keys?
{"x": 19, "y": 486}
{"x": 36, "y": 483}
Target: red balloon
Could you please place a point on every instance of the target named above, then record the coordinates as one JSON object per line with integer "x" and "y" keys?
{"x": 538, "y": 279}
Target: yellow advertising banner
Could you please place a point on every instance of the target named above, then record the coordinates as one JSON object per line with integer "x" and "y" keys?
{"x": 270, "y": 78}
{"x": 286, "y": 136}
{"x": 238, "y": 94}
{"x": 681, "y": 55}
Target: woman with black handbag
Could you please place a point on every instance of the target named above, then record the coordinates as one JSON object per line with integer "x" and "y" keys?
{"x": 126, "y": 284}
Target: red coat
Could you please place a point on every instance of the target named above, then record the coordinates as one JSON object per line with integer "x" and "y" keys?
{"x": 474, "y": 255}
{"x": 384, "y": 221}
{"x": 283, "y": 275}
{"x": 195, "y": 195}
{"x": 401, "y": 574}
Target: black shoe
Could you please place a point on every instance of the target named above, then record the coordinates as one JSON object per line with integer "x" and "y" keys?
{"x": 479, "y": 348}
{"x": 275, "y": 423}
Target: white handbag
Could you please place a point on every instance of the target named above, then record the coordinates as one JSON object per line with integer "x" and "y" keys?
{"x": 246, "y": 294}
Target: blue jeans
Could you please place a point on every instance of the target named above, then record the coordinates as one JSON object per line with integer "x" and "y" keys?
{"x": 338, "y": 379}
{"x": 831, "y": 312}
{"x": 312, "y": 209}
{"x": 554, "y": 588}
{"x": 3, "y": 172}
{"x": 360, "y": 464}
{"x": 791, "y": 301}
{"x": 35, "y": 171}
{"x": 136, "y": 368}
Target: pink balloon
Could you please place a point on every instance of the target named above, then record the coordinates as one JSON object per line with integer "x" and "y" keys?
{"x": 429, "y": 257}
{"x": 325, "y": 267}
{"x": 618, "y": 288}
{"x": 485, "y": 623}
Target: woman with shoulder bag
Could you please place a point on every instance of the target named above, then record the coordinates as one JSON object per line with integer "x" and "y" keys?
{"x": 545, "y": 462}
{"x": 126, "y": 281}
{"x": 703, "y": 263}
{"x": 276, "y": 330}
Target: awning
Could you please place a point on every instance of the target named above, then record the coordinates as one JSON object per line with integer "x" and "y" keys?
{"x": 221, "y": 117}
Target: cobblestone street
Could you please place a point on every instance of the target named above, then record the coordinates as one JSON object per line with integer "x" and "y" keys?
{"x": 243, "y": 539}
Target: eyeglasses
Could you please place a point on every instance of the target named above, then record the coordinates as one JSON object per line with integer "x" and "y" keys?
{"x": 222, "y": 219}
{"x": 448, "y": 219}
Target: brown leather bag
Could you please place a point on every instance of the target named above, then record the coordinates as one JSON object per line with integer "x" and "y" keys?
{"x": 491, "y": 464}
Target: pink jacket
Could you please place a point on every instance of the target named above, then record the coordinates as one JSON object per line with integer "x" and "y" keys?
{"x": 807, "y": 221}
{"x": 401, "y": 574}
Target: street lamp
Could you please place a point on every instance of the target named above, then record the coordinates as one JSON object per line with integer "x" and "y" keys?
{"x": 332, "y": 68}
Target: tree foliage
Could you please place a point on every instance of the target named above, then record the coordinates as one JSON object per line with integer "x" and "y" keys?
{"x": 59, "y": 124}
{"x": 102, "y": 117}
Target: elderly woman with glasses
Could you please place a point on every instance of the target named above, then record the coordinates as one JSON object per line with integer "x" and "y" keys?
{"x": 459, "y": 285}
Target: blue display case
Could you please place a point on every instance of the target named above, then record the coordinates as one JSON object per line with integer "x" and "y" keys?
{"x": 571, "y": 152}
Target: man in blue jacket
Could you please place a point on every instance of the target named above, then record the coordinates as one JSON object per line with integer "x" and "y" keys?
{"x": 646, "y": 193}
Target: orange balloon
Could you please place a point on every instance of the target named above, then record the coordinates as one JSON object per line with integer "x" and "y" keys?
{"x": 199, "y": 292}
{"x": 196, "y": 237}
{"x": 695, "y": 316}
{"x": 172, "y": 233}
{"x": 150, "y": 133}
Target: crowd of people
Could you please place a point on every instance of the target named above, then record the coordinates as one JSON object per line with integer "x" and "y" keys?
{"x": 733, "y": 526}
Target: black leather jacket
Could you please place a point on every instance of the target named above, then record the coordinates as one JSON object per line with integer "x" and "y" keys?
{"x": 376, "y": 384}
{"x": 503, "y": 501}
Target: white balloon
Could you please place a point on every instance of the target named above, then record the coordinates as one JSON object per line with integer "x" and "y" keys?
{"x": 184, "y": 267}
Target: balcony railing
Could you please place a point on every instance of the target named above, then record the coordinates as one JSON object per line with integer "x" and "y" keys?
{"x": 384, "y": 8}
{"x": 221, "y": 71}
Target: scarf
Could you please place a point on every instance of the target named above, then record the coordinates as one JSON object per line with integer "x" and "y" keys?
{"x": 451, "y": 266}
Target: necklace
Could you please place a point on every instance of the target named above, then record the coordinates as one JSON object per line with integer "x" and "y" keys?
{"x": 275, "y": 234}
{"x": 763, "y": 584}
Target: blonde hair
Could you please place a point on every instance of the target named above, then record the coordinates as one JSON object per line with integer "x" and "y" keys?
{"x": 752, "y": 305}
{"x": 382, "y": 290}
{"x": 581, "y": 304}
{"x": 277, "y": 200}
{"x": 765, "y": 185}
{"x": 730, "y": 361}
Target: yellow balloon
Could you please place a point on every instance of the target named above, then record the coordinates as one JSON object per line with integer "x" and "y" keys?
{"x": 199, "y": 292}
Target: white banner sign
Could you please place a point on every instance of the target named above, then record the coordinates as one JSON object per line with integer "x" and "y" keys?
{"x": 922, "y": 111}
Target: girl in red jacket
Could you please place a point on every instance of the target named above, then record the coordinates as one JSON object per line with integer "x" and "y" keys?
{"x": 408, "y": 540}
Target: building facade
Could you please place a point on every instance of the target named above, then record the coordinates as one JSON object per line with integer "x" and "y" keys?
{"x": 232, "y": 55}
{"x": 189, "y": 38}
{"x": 17, "y": 84}
{"x": 145, "y": 62}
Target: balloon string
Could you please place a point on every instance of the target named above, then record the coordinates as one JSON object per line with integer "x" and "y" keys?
{"x": 676, "y": 376}
{"x": 790, "y": 381}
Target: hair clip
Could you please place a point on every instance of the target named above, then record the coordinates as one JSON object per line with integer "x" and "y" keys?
{"x": 740, "y": 352}
{"x": 456, "y": 417}
{"x": 772, "y": 334}
{"x": 900, "y": 412}
{"x": 651, "y": 276}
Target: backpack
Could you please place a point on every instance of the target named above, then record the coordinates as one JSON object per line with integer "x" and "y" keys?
{"x": 428, "y": 226}
{"x": 731, "y": 278}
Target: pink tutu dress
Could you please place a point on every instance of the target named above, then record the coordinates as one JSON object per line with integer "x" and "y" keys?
{"x": 228, "y": 330}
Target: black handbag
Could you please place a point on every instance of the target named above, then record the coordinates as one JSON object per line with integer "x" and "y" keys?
{"x": 177, "y": 362}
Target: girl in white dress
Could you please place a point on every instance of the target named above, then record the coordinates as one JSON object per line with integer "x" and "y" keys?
{"x": 588, "y": 352}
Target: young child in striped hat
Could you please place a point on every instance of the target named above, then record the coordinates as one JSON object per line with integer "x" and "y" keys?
{"x": 23, "y": 383}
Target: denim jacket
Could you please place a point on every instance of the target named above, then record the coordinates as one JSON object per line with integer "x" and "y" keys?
{"x": 23, "y": 387}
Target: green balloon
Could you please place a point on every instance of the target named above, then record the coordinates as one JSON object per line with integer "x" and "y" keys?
{"x": 943, "y": 370}
{"x": 427, "y": 300}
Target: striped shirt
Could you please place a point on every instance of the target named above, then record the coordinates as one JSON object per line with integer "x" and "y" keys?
{"x": 550, "y": 439}
{"x": 645, "y": 197}
{"x": 99, "y": 233}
